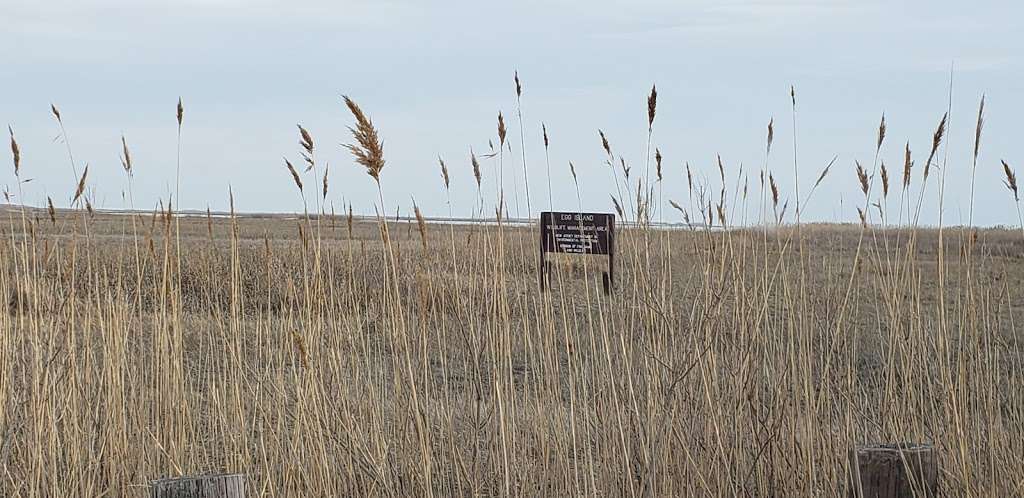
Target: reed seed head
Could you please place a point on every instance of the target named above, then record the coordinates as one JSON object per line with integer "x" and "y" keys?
{"x": 771, "y": 135}
{"x": 444, "y": 172}
{"x": 885, "y": 181}
{"x": 420, "y": 223}
{"x": 824, "y": 172}
{"x": 51, "y": 210}
{"x": 501, "y": 129}
{"x": 604, "y": 143}
{"x": 349, "y": 220}
{"x": 862, "y": 177}
{"x": 519, "y": 87}
{"x": 618, "y": 207}
{"x": 295, "y": 174}
{"x": 56, "y": 113}
{"x": 881, "y": 134}
{"x": 689, "y": 178}
{"x": 126, "y": 157}
{"x": 544, "y": 128}
{"x": 908, "y": 164}
{"x": 368, "y": 149}
{"x": 181, "y": 112}
{"x": 476, "y": 168}
{"x": 936, "y": 141}
{"x": 775, "y": 190}
{"x": 81, "y": 185}
{"x": 676, "y": 206}
{"x": 978, "y": 127}
{"x": 657, "y": 162}
{"x": 15, "y": 151}
{"x": 1011, "y": 181}
{"x": 327, "y": 168}
{"x": 652, "y": 106}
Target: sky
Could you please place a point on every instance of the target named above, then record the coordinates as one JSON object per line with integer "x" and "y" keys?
{"x": 433, "y": 77}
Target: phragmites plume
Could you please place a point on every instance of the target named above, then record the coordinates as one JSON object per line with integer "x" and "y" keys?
{"x": 295, "y": 174}
{"x": 792, "y": 94}
{"x": 863, "y": 218}
{"x": 326, "y": 169}
{"x": 689, "y": 178}
{"x": 604, "y": 143}
{"x": 544, "y": 128}
{"x": 677, "y": 207}
{"x": 444, "y": 172}
{"x": 349, "y": 220}
{"x": 936, "y": 141}
{"x": 81, "y": 185}
{"x": 126, "y": 156}
{"x": 420, "y": 223}
{"x": 771, "y": 135}
{"x": 652, "y": 106}
{"x": 368, "y": 149}
{"x": 885, "y": 181}
{"x": 501, "y": 129}
{"x": 721, "y": 168}
{"x": 572, "y": 169}
{"x": 519, "y": 87}
{"x": 881, "y": 134}
{"x": 907, "y": 165}
{"x": 181, "y": 112}
{"x": 56, "y": 113}
{"x": 618, "y": 207}
{"x": 306, "y": 141}
{"x": 823, "y": 174}
{"x": 1011, "y": 181}
{"x": 88, "y": 207}
{"x": 476, "y": 168}
{"x": 978, "y": 127}
{"x": 51, "y": 210}
{"x": 775, "y": 190}
{"x": 657, "y": 162}
{"x": 625, "y": 168}
{"x": 862, "y": 177}
{"x": 15, "y": 151}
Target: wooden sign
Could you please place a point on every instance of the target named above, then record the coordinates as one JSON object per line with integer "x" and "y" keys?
{"x": 577, "y": 233}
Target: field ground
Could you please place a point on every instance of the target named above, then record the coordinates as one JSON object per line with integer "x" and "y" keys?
{"x": 322, "y": 361}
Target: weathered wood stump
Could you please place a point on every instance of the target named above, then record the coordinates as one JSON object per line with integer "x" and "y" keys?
{"x": 212, "y": 486}
{"x": 894, "y": 471}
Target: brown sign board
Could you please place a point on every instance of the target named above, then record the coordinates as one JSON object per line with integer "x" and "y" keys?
{"x": 578, "y": 233}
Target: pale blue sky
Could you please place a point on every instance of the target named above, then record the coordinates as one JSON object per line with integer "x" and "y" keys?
{"x": 433, "y": 77}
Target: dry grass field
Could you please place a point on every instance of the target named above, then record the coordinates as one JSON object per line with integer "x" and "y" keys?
{"x": 326, "y": 356}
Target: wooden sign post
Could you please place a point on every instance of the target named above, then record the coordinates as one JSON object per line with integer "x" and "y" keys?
{"x": 577, "y": 233}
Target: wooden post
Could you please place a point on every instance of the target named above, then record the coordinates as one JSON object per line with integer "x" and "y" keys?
{"x": 213, "y": 486}
{"x": 542, "y": 268}
{"x": 894, "y": 471}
